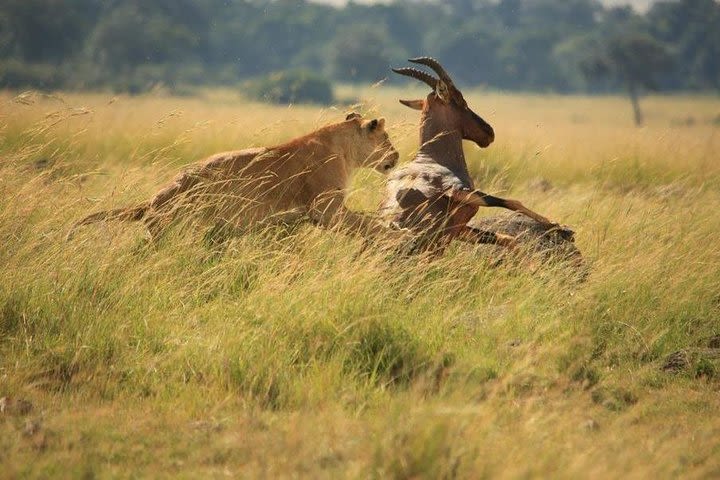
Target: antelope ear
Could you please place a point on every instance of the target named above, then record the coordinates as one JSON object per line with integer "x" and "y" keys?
{"x": 414, "y": 104}
{"x": 442, "y": 91}
{"x": 352, "y": 116}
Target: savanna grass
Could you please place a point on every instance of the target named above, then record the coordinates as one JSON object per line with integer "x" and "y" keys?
{"x": 297, "y": 352}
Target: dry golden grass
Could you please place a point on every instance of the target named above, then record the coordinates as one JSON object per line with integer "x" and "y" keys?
{"x": 290, "y": 354}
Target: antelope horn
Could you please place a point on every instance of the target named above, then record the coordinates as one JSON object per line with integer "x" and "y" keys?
{"x": 417, "y": 75}
{"x": 435, "y": 65}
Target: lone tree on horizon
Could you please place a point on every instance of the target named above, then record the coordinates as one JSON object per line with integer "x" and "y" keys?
{"x": 631, "y": 59}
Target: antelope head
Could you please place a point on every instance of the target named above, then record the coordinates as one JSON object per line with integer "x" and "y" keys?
{"x": 445, "y": 109}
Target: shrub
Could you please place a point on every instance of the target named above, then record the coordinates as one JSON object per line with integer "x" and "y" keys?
{"x": 291, "y": 86}
{"x": 16, "y": 74}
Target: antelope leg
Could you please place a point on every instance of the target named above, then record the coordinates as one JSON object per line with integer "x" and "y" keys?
{"x": 475, "y": 235}
{"x": 480, "y": 199}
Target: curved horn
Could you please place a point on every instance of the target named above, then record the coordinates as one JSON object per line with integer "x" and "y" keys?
{"x": 435, "y": 65}
{"x": 417, "y": 75}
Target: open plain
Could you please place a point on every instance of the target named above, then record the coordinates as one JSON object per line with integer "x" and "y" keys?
{"x": 296, "y": 353}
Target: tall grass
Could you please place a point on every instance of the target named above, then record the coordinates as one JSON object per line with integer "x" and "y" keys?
{"x": 297, "y": 353}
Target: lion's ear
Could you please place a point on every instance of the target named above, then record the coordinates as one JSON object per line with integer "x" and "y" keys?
{"x": 352, "y": 116}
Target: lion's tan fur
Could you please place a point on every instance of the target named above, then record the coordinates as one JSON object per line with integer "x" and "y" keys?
{"x": 307, "y": 176}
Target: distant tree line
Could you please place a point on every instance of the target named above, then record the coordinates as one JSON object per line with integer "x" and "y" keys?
{"x": 537, "y": 45}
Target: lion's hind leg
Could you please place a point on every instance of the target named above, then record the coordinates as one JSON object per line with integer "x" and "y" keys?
{"x": 285, "y": 221}
{"x": 177, "y": 200}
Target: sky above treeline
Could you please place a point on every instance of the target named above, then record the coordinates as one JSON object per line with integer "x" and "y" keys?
{"x": 640, "y": 5}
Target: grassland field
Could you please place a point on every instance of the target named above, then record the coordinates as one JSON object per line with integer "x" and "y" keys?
{"x": 292, "y": 354}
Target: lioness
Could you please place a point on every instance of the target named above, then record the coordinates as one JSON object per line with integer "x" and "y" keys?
{"x": 306, "y": 177}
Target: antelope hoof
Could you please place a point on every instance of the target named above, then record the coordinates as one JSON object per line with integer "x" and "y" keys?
{"x": 506, "y": 241}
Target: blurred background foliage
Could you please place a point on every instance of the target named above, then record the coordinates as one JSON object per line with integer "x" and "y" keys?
{"x": 290, "y": 86}
{"x": 529, "y": 45}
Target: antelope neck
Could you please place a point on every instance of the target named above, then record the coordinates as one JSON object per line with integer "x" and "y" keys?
{"x": 444, "y": 148}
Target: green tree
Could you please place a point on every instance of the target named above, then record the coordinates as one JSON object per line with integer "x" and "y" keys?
{"x": 631, "y": 59}
{"x": 132, "y": 34}
{"x": 533, "y": 31}
{"x": 291, "y": 86}
{"x": 510, "y": 44}
{"x": 693, "y": 28}
{"x": 469, "y": 51}
{"x": 45, "y": 30}
{"x": 361, "y": 53}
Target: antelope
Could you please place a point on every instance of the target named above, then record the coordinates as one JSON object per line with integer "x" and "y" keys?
{"x": 433, "y": 195}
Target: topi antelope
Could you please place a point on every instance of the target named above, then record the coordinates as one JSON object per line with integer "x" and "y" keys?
{"x": 433, "y": 196}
